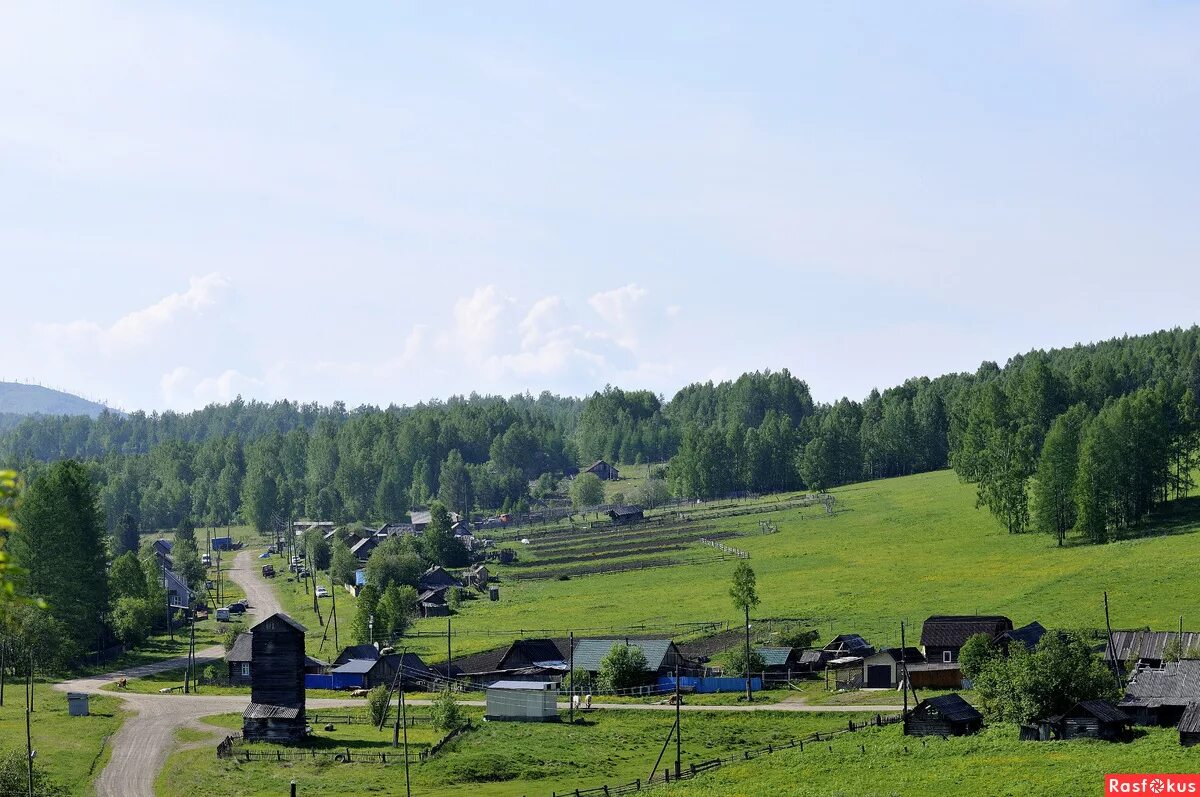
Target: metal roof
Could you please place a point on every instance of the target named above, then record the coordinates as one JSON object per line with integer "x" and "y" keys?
{"x": 266, "y": 711}
{"x": 242, "y": 648}
{"x": 1149, "y": 644}
{"x": 356, "y": 667}
{"x": 1176, "y": 683}
{"x": 952, "y": 707}
{"x": 283, "y": 618}
{"x": 589, "y": 652}
{"x": 775, "y": 657}
{"x": 1100, "y": 709}
{"x": 540, "y": 686}
{"x": 1190, "y": 721}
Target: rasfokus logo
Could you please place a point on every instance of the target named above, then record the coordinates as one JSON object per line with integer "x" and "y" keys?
{"x": 1151, "y": 784}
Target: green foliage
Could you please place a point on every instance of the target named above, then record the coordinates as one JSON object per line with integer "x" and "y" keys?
{"x": 187, "y": 562}
{"x": 446, "y": 713}
{"x": 394, "y": 562}
{"x": 455, "y": 490}
{"x": 582, "y": 681}
{"x": 737, "y": 662}
{"x": 439, "y": 542}
{"x": 395, "y": 611}
{"x": 622, "y": 667}
{"x": 744, "y": 587}
{"x": 128, "y": 537}
{"x": 1060, "y": 672}
{"x": 230, "y": 634}
{"x": 1054, "y": 507}
{"x": 186, "y": 530}
{"x": 342, "y": 564}
{"x": 14, "y": 776}
{"x": 976, "y": 654}
{"x": 126, "y": 578}
{"x": 31, "y": 629}
{"x": 652, "y": 493}
{"x": 364, "y": 609}
{"x": 586, "y": 490}
{"x": 62, "y": 547}
{"x": 546, "y": 484}
{"x": 377, "y": 704}
{"x": 132, "y": 619}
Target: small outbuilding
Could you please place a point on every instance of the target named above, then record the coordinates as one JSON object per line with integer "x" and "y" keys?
{"x": 1092, "y": 719}
{"x": 626, "y": 514}
{"x": 1189, "y": 726}
{"x": 522, "y": 701}
{"x": 944, "y": 715}
{"x": 603, "y": 470}
{"x": 885, "y": 669}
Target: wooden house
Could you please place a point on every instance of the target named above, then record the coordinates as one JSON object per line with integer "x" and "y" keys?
{"x": 944, "y": 715}
{"x": 603, "y": 470}
{"x": 661, "y": 654}
{"x": 779, "y": 662}
{"x": 626, "y": 514}
{"x": 477, "y": 577}
{"x": 848, "y": 645}
{"x": 433, "y": 603}
{"x": 1027, "y": 636}
{"x": 885, "y": 669}
{"x": 276, "y": 710}
{"x": 1159, "y": 696}
{"x": 179, "y": 595}
{"x": 1092, "y": 719}
{"x": 423, "y": 517}
{"x": 942, "y": 636}
{"x": 238, "y": 660}
{"x": 363, "y": 548}
{"x": 436, "y": 577}
{"x": 1189, "y": 726}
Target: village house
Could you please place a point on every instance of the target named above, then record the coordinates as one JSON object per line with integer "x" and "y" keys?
{"x": 885, "y": 669}
{"x": 1159, "y": 696}
{"x": 362, "y": 670}
{"x": 662, "y": 655}
{"x": 436, "y": 577}
{"x": 276, "y": 710}
{"x": 1028, "y": 636}
{"x": 363, "y": 548}
{"x": 434, "y": 603}
{"x": 477, "y": 577}
{"x": 423, "y": 517}
{"x": 1092, "y": 719}
{"x": 779, "y": 663}
{"x": 848, "y": 645}
{"x": 942, "y": 636}
{"x": 603, "y": 470}
{"x": 179, "y": 595}
{"x": 626, "y": 514}
{"x": 944, "y": 715}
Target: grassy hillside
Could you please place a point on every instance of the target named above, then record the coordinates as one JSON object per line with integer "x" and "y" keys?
{"x": 19, "y": 399}
{"x": 898, "y": 549}
{"x": 993, "y": 763}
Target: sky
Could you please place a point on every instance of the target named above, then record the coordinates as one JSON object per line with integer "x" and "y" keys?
{"x": 386, "y": 203}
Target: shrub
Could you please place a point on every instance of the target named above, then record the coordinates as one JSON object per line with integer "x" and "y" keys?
{"x": 622, "y": 667}
{"x": 446, "y": 712}
{"x": 377, "y": 703}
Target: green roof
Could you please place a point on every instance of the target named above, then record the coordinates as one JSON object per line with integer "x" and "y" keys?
{"x": 775, "y": 657}
{"x": 589, "y": 652}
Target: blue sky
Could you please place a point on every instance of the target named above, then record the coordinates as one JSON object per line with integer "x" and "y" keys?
{"x": 402, "y": 201}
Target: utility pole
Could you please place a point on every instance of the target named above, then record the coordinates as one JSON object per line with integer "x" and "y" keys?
{"x": 449, "y": 658}
{"x": 404, "y": 722}
{"x": 679, "y": 724}
{"x": 904, "y": 668}
{"x": 570, "y": 643}
{"x": 1112, "y": 650}
{"x": 192, "y": 646}
{"x": 749, "y": 690}
{"x": 28, "y": 724}
{"x": 333, "y": 592}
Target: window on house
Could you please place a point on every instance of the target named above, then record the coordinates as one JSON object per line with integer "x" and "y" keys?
{"x": 947, "y": 656}
{"x": 245, "y": 668}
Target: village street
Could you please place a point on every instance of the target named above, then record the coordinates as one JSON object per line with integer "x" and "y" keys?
{"x": 147, "y": 737}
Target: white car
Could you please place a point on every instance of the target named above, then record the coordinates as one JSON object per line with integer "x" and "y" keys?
{"x": 322, "y": 592}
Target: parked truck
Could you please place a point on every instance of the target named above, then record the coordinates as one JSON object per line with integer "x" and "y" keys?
{"x": 222, "y": 543}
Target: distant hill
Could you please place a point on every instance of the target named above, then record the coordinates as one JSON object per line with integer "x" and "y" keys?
{"x": 17, "y": 399}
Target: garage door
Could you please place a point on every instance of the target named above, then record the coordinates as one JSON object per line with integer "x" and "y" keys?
{"x": 879, "y": 675}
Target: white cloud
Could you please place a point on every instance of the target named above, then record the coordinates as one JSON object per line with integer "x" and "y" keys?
{"x": 143, "y": 326}
{"x": 617, "y": 308}
{"x": 183, "y": 388}
{"x": 477, "y": 319}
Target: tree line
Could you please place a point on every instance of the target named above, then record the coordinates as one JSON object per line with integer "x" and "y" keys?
{"x": 1086, "y": 439}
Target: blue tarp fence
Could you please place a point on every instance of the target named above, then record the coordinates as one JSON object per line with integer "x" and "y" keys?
{"x": 706, "y": 685}
{"x": 333, "y": 681}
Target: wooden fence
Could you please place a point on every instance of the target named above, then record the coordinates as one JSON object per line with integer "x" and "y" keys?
{"x": 729, "y": 549}
{"x": 230, "y": 749}
{"x": 692, "y": 770}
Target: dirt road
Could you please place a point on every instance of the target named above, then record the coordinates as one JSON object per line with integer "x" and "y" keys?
{"x": 247, "y": 574}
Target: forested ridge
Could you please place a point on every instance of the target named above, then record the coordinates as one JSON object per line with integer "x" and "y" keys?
{"x": 1087, "y": 438}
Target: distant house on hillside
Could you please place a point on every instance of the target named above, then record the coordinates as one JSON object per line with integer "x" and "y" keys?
{"x": 626, "y": 514}
{"x": 363, "y": 548}
{"x": 423, "y": 517}
{"x": 944, "y": 715}
{"x": 943, "y": 636}
{"x": 603, "y": 470}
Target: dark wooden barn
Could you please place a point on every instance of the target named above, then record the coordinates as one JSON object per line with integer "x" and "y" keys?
{"x": 1159, "y": 696}
{"x": 1149, "y": 648}
{"x": 1189, "y": 726}
{"x": 944, "y": 715}
{"x": 276, "y": 710}
{"x": 626, "y": 514}
{"x": 603, "y": 470}
{"x": 942, "y": 636}
{"x": 1092, "y": 719}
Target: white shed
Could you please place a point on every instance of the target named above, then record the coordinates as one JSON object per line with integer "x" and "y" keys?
{"x": 522, "y": 701}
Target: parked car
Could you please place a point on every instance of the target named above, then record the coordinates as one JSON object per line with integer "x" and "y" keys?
{"x": 236, "y": 608}
{"x": 268, "y": 571}
{"x": 206, "y": 560}
{"x": 322, "y": 592}
{"x": 223, "y": 614}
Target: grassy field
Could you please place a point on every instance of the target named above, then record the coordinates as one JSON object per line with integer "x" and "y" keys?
{"x": 70, "y": 750}
{"x": 992, "y": 763}
{"x": 501, "y": 758}
{"x": 898, "y": 549}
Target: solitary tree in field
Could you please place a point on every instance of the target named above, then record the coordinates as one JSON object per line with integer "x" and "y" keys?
{"x": 745, "y": 596}
{"x": 586, "y": 490}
